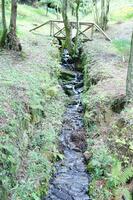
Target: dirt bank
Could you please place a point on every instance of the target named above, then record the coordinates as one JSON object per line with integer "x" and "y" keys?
{"x": 107, "y": 117}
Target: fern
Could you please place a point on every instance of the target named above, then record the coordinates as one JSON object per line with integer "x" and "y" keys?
{"x": 114, "y": 176}
{"x": 119, "y": 177}
{"x": 122, "y": 192}
{"x": 126, "y": 175}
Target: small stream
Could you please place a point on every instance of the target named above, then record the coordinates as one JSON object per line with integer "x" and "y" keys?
{"x": 70, "y": 182}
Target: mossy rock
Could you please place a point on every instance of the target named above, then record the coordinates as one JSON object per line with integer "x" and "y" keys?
{"x": 90, "y": 167}
{"x": 66, "y": 74}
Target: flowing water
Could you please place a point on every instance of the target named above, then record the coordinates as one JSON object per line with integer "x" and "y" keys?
{"x": 70, "y": 182}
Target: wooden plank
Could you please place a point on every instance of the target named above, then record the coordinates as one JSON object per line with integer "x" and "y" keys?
{"x": 58, "y": 21}
{"x": 60, "y": 38}
{"x": 86, "y": 40}
{"x": 60, "y": 31}
{"x": 40, "y": 25}
{"x": 86, "y": 23}
{"x": 87, "y": 29}
{"x": 57, "y": 27}
{"x": 82, "y": 23}
{"x": 100, "y": 30}
{"x": 81, "y": 33}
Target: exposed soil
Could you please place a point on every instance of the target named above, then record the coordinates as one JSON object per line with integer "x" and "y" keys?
{"x": 107, "y": 72}
{"x": 107, "y": 68}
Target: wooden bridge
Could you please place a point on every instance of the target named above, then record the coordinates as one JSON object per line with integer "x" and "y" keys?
{"x": 57, "y": 30}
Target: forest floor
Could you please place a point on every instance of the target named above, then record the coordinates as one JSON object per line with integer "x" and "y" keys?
{"x": 107, "y": 117}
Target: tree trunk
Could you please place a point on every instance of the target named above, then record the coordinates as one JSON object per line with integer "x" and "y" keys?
{"x": 104, "y": 14}
{"x": 95, "y": 11}
{"x": 77, "y": 27}
{"x": 68, "y": 41}
{"x": 101, "y": 15}
{"x": 129, "y": 86}
{"x": 12, "y": 40}
{"x": 4, "y": 31}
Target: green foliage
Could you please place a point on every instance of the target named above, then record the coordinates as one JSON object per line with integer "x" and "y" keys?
{"x": 118, "y": 176}
{"x": 122, "y": 192}
{"x": 101, "y": 162}
{"x": 125, "y": 12}
{"x": 97, "y": 191}
{"x": 108, "y": 175}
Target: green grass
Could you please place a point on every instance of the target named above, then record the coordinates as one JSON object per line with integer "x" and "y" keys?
{"x": 122, "y": 46}
{"x": 31, "y": 108}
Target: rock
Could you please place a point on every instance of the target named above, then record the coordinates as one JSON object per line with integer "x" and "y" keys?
{"x": 79, "y": 139}
{"x": 79, "y": 85}
{"x": 87, "y": 155}
{"x": 76, "y": 149}
{"x": 68, "y": 90}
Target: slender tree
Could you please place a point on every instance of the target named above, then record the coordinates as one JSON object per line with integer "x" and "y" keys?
{"x": 95, "y": 11}
{"x": 4, "y": 31}
{"x": 12, "y": 41}
{"x": 68, "y": 41}
{"x": 101, "y": 14}
{"x": 77, "y": 23}
{"x": 105, "y": 4}
{"x": 129, "y": 86}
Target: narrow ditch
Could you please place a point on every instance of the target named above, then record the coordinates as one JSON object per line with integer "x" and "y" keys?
{"x": 71, "y": 180}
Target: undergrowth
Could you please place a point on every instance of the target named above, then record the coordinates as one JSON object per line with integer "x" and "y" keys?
{"x": 108, "y": 120}
{"x": 109, "y": 178}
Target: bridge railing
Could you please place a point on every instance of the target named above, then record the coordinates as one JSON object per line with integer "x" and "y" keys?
{"x": 57, "y": 29}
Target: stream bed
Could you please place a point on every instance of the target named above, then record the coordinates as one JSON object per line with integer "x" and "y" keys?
{"x": 71, "y": 180}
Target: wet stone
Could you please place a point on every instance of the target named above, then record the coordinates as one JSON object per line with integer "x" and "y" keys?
{"x": 86, "y": 197}
{"x": 62, "y": 195}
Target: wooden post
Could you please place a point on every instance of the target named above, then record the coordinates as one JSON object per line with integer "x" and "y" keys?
{"x": 50, "y": 28}
{"x": 53, "y": 28}
{"x": 92, "y": 32}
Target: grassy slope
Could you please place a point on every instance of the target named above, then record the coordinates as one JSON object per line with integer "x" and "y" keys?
{"x": 31, "y": 108}
{"x": 109, "y": 124}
